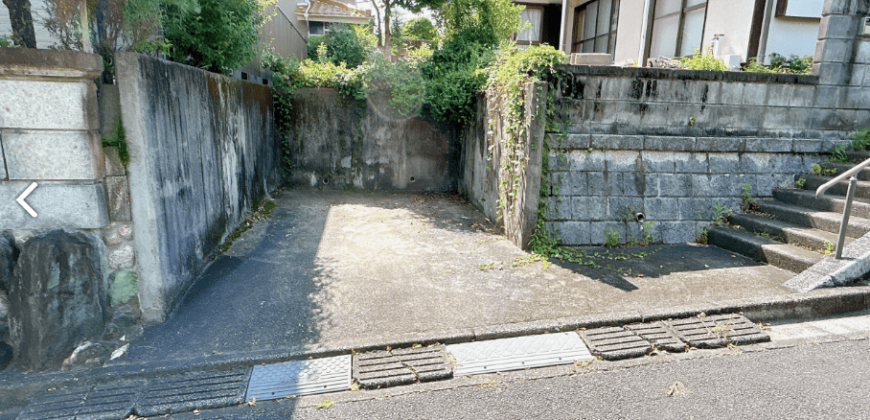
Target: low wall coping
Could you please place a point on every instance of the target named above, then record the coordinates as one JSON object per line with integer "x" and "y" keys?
{"x": 49, "y": 63}
{"x": 700, "y": 75}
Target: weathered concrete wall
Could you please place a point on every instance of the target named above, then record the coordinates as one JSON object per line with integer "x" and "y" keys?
{"x": 203, "y": 149}
{"x": 503, "y": 180}
{"x": 335, "y": 143}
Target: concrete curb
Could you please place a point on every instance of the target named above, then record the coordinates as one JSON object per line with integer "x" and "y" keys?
{"x": 817, "y": 303}
{"x": 833, "y": 272}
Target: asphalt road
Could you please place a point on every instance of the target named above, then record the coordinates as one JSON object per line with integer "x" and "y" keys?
{"x": 806, "y": 381}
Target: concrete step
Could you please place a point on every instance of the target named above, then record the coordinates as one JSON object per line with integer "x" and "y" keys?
{"x": 801, "y": 216}
{"x": 785, "y": 256}
{"x": 786, "y": 232}
{"x": 858, "y": 155}
{"x": 831, "y": 203}
{"x": 839, "y": 168}
{"x": 813, "y": 182}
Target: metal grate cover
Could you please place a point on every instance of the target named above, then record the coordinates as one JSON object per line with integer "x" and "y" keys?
{"x": 381, "y": 369}
{"x": 189, "y": 391}
{"x": 299, "y": 377}
{"x": 738, "y": 329}
{"x": 659, "y": 335}
{"x": 717, "y": 331}
{"x": 518, "y": 353}
{"x": 428, "y": 363}
{"x": 615, "y": 343}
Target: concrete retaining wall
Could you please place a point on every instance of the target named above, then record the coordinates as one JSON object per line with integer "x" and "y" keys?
{"x": 203, "y": 149}
{"x": 336, "y": 143}
{"x": 600, "y": 181}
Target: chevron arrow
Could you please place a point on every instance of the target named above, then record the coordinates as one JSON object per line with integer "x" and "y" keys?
{"x": 24, "y": 195}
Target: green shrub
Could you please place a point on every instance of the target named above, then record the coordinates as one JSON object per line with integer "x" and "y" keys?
{"x": 218, "y": 36}
{"x": 399, "y": 84}
{"x": 703, "y": 61}
{"x": 344, "y": 43}
{"x": 419, "y": 28}
{"x": 779, "y": 64}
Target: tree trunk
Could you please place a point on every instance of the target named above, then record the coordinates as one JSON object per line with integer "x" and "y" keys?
{"x": 388, "y": 44}
{"x": 22, "y": 23}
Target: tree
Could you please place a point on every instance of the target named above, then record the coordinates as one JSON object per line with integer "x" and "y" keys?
{"x": 22, "y": 23}
{"x": 414, "y": 6}
{"x": 419, "y": 28}
{"x": 217, "y": 35}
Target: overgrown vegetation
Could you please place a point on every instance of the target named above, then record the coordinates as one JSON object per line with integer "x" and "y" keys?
{"x": 703, "y": 60}
{"x": 860, "y": 141}
{"x": 419, "y": 28}
{"x": 350, "y": 44}
{"x": 780, "y": 64}
{"x": 118, "y": 140}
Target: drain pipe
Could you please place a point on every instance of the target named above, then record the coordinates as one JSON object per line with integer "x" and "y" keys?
{"x": 562, "y": 26}
{"x": 643, "y": 30}
{"x": 765, "y": 30}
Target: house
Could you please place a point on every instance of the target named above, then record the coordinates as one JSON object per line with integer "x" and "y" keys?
{"x": 636, "y": 30}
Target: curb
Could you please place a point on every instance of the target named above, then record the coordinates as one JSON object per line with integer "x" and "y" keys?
{"x": 817, "y": 303}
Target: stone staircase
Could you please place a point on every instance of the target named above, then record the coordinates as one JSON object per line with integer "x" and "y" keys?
{"x": 794, "y": 230}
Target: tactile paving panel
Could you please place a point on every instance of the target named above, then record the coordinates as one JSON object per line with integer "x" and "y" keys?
{"x": 55, "y": 405}
{"x": 300, "y": 377}
{"x": 189, "y": 391}
{"x": 615, "y": 343}
{"x": 428, "y": 363}
{"x": 380, "y": 369}
{"x": 110, "y": 401}
{"x": 659, "y": 335}
{"x": 517, "y": 353}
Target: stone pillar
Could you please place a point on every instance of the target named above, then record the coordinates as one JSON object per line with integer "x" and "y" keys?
{"x": 842, "y": 58}
{"x": 49, "y": 134}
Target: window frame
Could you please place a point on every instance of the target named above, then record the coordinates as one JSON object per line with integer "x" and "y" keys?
{"x": 682, "y": 12}
{"x": 611, "y": 30}
{"x": 543, "y": 25}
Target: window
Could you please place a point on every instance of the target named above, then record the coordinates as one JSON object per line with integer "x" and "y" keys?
{"x": 678, "y": 27}
{"x": 595, "y": 27}
{"x": 317, "y": 28}
{"x": 533, "y": 16}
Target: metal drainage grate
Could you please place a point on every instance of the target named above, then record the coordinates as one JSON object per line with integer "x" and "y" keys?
{"x": 55, "y": 405}
{"x": 110, "y": 401}
{"x": 299, "y": 377}
{"x": 380, "y": 369}
{"x": 738, "y": 329}
{"x": 428, "y": 363}
{"x": 659, "y": 335}
{"x": 518, "y": 353}
{"x": 189, "y": 391}
{"x": 717, "y": 331}
{"x": 615, "y": 343}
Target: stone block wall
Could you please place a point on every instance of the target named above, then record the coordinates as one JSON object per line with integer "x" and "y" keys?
{"x": 336, "y": 143}
{"x": 50, "y": 135}
{"x": 599, "y": 182}
{"x": 203, "y": 149}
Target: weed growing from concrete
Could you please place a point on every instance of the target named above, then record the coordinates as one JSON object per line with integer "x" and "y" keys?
{"x": 611, "y": 238}
{"x": 721, "y": 214}
{"x": 701, "y": 237}
{"x": 800, "y": 183}
{"x": 747, "y": 203}
{"x": 829, "y": 248}
{"x": 324, "y": 404}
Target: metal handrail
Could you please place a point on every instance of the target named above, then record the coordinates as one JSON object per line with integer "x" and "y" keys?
{"x": 850, "y": 194}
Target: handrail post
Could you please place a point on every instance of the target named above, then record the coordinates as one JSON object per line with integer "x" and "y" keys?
{"x": 845, "y": 224}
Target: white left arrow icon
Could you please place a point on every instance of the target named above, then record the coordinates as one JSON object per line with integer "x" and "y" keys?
{"x": 24, "y": 195}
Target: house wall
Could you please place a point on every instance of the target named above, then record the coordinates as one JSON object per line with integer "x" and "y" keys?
{"x": 44, "y": 39}
{"x": 733, "y": 18}
{"x": 789, "y": 36}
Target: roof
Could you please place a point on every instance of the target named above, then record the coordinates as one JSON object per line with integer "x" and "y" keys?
{"x": 331, "y": 11}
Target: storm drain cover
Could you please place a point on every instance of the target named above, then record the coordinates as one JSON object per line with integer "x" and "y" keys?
{"x": 189, "y": 391}
{"x": 517, "y": 353}
{"x": 738, "y": 329}
{"x": 717, "y": 331}
{"x": 110, "y": 401}
{"x": 428, "y": 363}
{"x": 615, "y": 343}
{"x": 659, "y": 335}
{"x": 299, "y": 377}
{"x": 55, "y": 405}
{"x": 380, "y": 369}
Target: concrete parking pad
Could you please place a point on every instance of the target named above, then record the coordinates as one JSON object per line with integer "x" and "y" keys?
{"x": 361, "y": 267}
